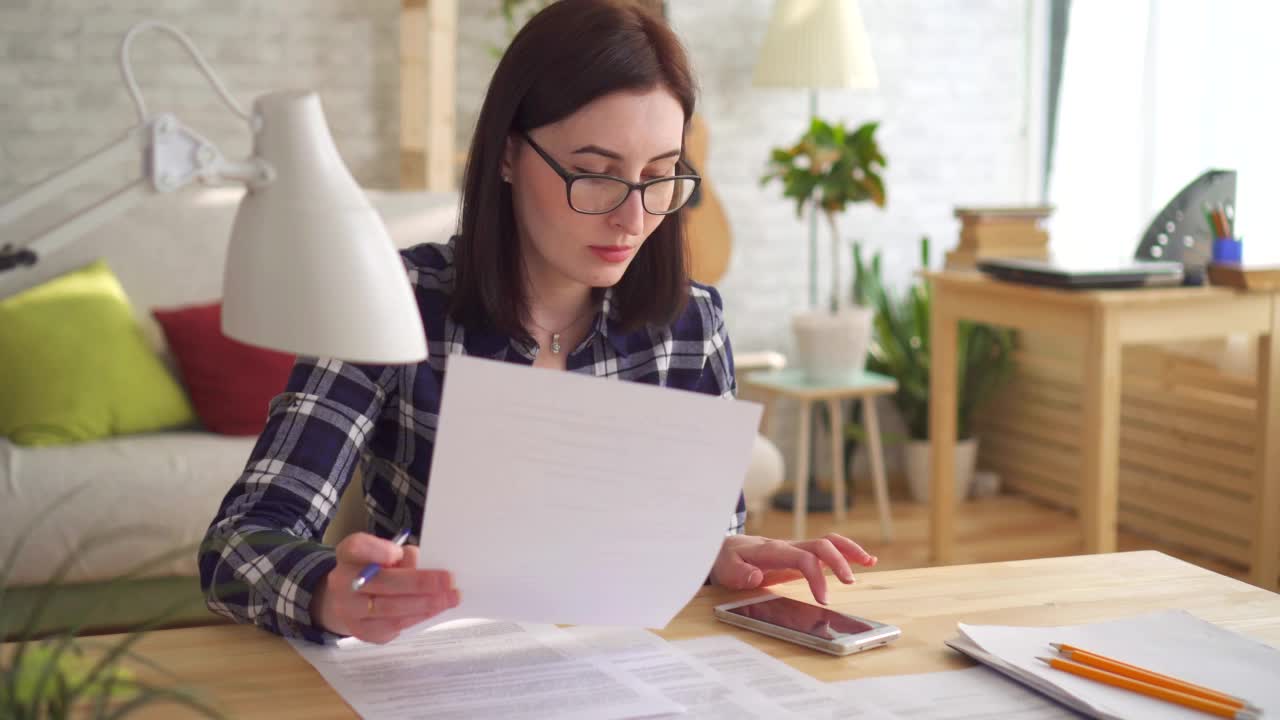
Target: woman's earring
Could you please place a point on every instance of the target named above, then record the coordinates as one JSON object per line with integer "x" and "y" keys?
{"x": 506, "y": 179}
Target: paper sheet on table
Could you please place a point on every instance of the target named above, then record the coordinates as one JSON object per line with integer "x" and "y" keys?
{"x": 706, "y": 693}
{"x": 800, "y": 693}
{"x": 562, "y": 498}
{"x": 953, "y": 695}
{"x": 479, "y": 669}
{"x": 1170, "y": 642}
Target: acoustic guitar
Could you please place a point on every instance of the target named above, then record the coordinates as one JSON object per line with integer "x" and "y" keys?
{"x": 706, "y": 226}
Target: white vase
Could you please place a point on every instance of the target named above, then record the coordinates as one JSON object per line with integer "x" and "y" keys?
{"x": 832, "y": 346}
{"x": 918, "y": 458}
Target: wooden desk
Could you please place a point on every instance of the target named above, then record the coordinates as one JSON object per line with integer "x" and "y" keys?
{"x": 1105, "y": 321}
{"x": 251, "y": 674}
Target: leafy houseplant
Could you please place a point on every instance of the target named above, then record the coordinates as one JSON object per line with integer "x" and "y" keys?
{"x": 56, "y": 676}
{"x": 827, "y": 169}
{"x": 984, "y": 356}
{"x": 830, "y": 167}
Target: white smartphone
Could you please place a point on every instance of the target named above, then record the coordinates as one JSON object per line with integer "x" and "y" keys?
{"x": 810, "y": 625}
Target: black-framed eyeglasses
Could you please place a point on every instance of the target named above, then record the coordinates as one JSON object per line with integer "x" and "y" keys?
{"x": 598, "y": 194}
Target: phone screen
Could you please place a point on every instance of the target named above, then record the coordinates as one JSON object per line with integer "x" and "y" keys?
{"x": 802, "y": 617}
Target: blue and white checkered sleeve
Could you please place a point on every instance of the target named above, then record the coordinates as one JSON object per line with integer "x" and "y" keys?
{"x": 262, "y": 557}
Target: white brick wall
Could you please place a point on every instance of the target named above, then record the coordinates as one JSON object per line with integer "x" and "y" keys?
{"x": 61, "y": 94}
{"x": 951, "y": 103}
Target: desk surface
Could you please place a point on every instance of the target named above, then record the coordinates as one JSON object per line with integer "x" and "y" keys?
{"x": 252, "y": 674}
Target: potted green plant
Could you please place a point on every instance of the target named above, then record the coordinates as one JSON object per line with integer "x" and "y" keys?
{"x": 827, "y": 169}
{"x": 63, "y": 674}
{"x": 900, "y": 349}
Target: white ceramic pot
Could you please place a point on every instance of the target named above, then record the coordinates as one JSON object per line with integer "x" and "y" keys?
{"x": 918, "y": 459}
{"x": 830, "y": 346}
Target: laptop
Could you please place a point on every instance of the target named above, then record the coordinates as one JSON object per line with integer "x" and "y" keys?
{"x": 1174, "y": 250}
{"x": 1125, "y": 274}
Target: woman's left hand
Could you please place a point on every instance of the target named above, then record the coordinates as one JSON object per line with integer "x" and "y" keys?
{"x": 746, "y": 562}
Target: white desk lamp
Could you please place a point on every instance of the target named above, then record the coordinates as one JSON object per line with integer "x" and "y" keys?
{"x": 310, "y": 267}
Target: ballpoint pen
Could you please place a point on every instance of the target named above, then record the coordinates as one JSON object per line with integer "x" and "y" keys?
{"x": 372, "y": 568}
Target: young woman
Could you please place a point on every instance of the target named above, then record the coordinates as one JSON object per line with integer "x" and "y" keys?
{"x": 570, "y": 256}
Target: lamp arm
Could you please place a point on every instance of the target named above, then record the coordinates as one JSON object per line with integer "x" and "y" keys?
{"x": 126, "y": 68}
{"x": 173, "y": 156}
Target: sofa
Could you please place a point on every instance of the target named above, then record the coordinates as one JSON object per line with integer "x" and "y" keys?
{"x": 141, "y": 495}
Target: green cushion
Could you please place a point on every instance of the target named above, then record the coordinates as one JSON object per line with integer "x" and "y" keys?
{"x": 74, "y": 365}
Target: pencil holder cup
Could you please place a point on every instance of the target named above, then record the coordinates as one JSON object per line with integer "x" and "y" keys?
{"x": 1226, "y": 250}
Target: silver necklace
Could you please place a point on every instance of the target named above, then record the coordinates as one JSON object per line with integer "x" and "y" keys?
{"x": 555, "y": 336}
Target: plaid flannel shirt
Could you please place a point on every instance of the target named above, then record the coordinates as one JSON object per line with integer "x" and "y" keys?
{"x": 263, "y": 557}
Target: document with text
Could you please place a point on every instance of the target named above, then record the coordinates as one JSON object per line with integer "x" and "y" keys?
{"x": 557, "y": 497}
{"x": 706, "y": 693}
{"x": 480, "y": 669}
{"x": 797, "y": 692}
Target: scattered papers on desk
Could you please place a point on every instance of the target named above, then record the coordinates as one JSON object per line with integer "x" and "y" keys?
{"x": 705, "y": 692}
{"x": 476, "y": 669}
{"x": 800, "y": 693}
{"x": 560, "y": 498}
{"x": 1169, "y": 642}
{"x": 951, "y": 695}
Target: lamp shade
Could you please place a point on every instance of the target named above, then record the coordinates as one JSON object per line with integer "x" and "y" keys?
{"x": 311, "y": 268}
{"x": 815, "y": 44}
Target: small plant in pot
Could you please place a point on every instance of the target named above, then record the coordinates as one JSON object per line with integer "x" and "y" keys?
{"x": 829, "y": 168}
{"x": 900, "y": 349}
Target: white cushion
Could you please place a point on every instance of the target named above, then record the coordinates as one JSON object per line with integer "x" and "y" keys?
{"x": 165, "y": 487}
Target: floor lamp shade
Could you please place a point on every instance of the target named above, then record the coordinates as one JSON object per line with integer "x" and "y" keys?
{"x": 816, "y": 44}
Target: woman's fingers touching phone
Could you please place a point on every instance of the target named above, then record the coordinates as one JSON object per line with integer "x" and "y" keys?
{"x": 748, "y": 562}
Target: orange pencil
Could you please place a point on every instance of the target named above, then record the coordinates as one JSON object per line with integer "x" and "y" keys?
{"x": 1085, "y": 657}
{"x": 1195, "y": 702}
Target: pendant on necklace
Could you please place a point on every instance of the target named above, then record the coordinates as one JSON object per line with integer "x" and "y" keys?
{"x": 555, "y": 343}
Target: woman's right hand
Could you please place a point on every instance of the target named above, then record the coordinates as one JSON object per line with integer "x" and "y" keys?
{"x": 399, "y": 596}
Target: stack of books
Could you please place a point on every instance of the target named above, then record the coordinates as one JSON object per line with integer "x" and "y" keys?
{"x": 991, "y": 232}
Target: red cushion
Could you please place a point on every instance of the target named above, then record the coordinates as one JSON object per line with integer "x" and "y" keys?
{"x": 230, "y": 383}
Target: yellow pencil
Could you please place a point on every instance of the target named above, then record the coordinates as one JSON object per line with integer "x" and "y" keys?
{"x": 1086, "y": 657}
{"x": 1195, "y": 702}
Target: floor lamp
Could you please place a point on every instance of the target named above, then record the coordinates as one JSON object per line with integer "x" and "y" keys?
{"x": 813, "y": 45}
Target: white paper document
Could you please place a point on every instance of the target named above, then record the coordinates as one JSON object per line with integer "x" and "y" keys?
{"x": 953, "y": 695}
{"x": 477, "y": 669}
{"x": 705, "y": 692}
{"x": 797, "y": 692}
{"x": 562, "y": 498}
{"x": 1170, "y": 642}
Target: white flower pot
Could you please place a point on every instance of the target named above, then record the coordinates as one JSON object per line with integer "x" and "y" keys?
{"x": 831, "y": 346}
{"x": 918, "y": 459}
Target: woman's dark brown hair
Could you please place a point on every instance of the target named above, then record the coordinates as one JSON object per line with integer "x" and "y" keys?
{"x": 569, "y": 54}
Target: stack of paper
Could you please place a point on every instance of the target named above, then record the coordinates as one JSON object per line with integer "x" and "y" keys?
{"x": 955, "y": 695}
{"x": 1171, "y": 643}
